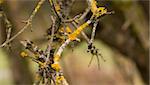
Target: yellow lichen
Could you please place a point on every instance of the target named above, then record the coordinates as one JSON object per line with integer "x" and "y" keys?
{"x": 93, "y": 6}
{"x": 100, "y": 11}
{"x": 57, "y": 7}
{"x": 23, "y": 54}
{"x": 59, "y": 79}
{"x": 61, "y": 29}
{"x": 97, "y": 11}
{"x": 56, "y": 67}
{"x": 56, "y": 58}
{"x": 42, "y": 65}
{"x": 38, "y": 6}
{"x": 74, "y": 35}
{"x": 68, "y": 29}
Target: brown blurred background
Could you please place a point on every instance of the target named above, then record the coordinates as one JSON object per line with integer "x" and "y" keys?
{"x": 122, "y": 38}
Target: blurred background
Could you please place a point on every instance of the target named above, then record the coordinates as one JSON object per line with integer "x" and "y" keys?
{"x": 122, "y": 38}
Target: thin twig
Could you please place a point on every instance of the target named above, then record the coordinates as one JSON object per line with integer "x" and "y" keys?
{"x": 85, "y": 13}
{"x": 9, "y": 26}
{"x": 28, "y": 23}
{"x": 12, "y": 38}
{"x": 61, "y": 48}
{"x": 51, "y": 40}
{"x": 90, "y": 61}
{"x": 71, "y": 20}
{"x": 98, "y": 61}
{"x": 93, "y": 31}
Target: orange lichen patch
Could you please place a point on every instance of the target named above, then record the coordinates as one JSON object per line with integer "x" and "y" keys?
{"x": 56, "y": 67}
{"x": 93, "y": 6}
{"x": 23, "y": 54}
{"x": 74, "y": 35}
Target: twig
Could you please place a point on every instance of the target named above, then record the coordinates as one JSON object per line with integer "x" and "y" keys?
{"x": 12, "y": 38}
{"x": 9, "y": 26}
{"x": 54, "y": 10}
{"x": 51, "y": 40}
{"x": 71, "y": 20}
{"x": 92, "y": 5}
{"x": 60, "y": 50}
{"x": 28, "y": 23}
{"x": 85, "y": 13}
{"x": 90, "y": 61}
{"x": 93, "y": 31}
{"x": 72, "y": 36}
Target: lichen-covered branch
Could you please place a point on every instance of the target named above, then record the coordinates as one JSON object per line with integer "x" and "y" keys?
{"x": 61, "y": 34}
